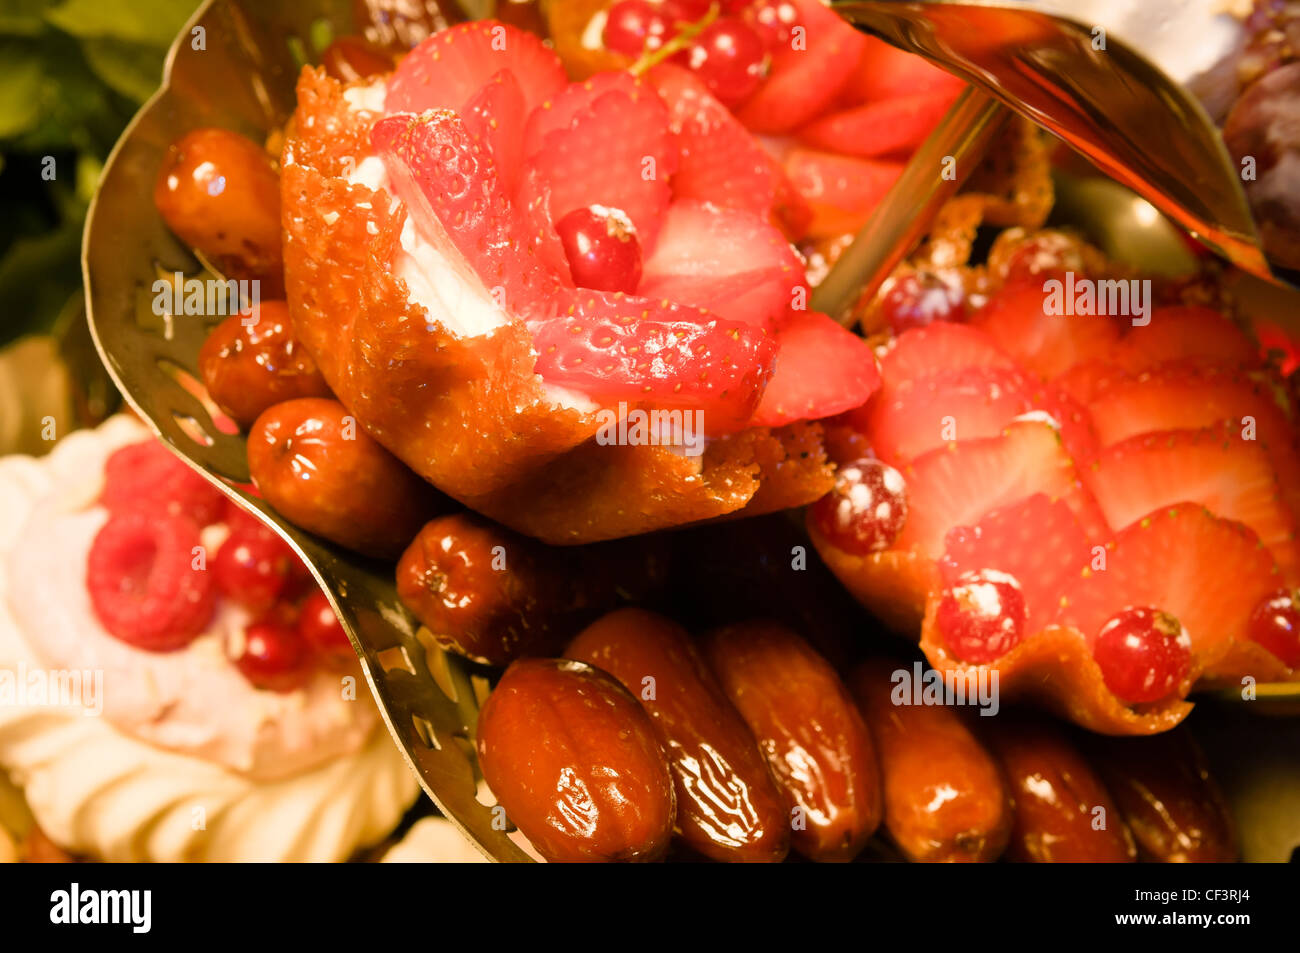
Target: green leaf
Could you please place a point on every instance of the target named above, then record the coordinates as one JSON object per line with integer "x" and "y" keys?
{"x": 132, "y": 69}
{"x": 36, "y": 277}
{"x": 20, "y": 88}
{"x": 152, "y": 22}
{"x": 22, "y": 17}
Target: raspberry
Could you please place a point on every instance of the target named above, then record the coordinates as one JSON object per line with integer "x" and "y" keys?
{"x": 148, "y": 471}
{"x": 142, "y": 583}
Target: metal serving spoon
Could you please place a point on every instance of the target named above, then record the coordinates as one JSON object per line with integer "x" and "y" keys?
{"x": 234, "y": 66}
{"x": 1112, "y": 105}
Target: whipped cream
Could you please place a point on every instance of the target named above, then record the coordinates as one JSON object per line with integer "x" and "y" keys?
{"x": 105, "y": 786}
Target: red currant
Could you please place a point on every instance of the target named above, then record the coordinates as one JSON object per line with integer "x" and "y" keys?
{"x": 1144, "y": 654}
{"x": 320, "y": 628}
{"x": 636, "y": 26}
{"x": 149, "y": 471}
{"x": 253, "y": 567}
{"x": 865, "y": 510}
{"x": 142, "y": 582}
{"x": 729, "y": 56}
{"x": 916, "y": 298}
{"x": 981, "y": 616}
{"x": 602, "y": 247}
{"x": 1047, "y": 252}
{"x": 273, "y": 656}
{"x": 689, "y": 11}
{"x": 775, "y": 21}
{"x": 1275, "y": 624}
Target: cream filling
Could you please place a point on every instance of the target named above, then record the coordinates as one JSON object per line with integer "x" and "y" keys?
{"x": 448, "y": 289}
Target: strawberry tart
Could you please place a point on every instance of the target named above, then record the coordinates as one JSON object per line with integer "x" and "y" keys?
{"x": 172, "y": 684}
{"x": 486, "y": 259}
{"x": 1101, "y": 508}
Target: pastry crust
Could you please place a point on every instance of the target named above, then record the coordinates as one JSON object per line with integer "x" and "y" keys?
{"x": 468, "y": 414}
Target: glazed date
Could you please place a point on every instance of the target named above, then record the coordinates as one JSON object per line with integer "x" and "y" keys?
{"x": 399, "y": 25}
{"x": 945, "y": 796}
{"x": 1163, "y": 787}
{"x": 493, "y": 596}
{"x": 252, "y": 361}
{"x": 574, "y": 761}
{"x": 1261, "y": 130}
{"x": 728, "y": 807}
{"x": 312, "y": 462}
{"x": 350, "y": 59}
{"x": 808, "y": 728}
{"x": 219, "y": 193}
{"x": 1064, "y": 814}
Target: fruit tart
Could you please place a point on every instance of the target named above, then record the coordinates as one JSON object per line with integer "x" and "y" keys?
{"x": 574, "y": 306}
{"x": 1099, "y": 507}
{"x": 173, "y": 685}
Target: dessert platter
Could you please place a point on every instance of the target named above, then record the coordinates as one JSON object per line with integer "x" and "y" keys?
{"x": 533, "y": 430}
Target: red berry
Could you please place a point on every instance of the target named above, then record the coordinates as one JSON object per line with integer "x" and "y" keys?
{"x": 603, "y": 251}
{"x": 729, "y": 56}
{"x": 1143, "y": 653}
{"x": 981, "y": 616}
{"x": 253, "y": 567}
{"x": 320, "y": 628}
{"x": 635, "y": 26}
{"x": 1275, "y": 624}
{"x": 689, "y": 11}
{"x": 774, "y": 21}
{"x": 273, "y": 656}
{"x": 1046, "y": 253}
{"x": 917, "y": 298}
{"x": 865, "y": 511}
{"x": 150, "y": 472}
{"x": 142, "y": 582}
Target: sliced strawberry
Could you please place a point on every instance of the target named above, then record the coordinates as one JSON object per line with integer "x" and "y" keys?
{"x": 1187, "y": 396}
{"x": 1213, "y": 467}
{"x": 958, "y": 484}
{"x": 877, "y": 129}
{"x": 1047, "y": 344}
{"x": 1182, "y": 332}
{"x": 496, "y": 114}
{"x": 1190, "y": 395}
{"x": 607, "y": 345}
{"x": 806, "y": 77}
{"x": 937, "y": 348}
{"x": 449, "y": 67}
{"x": 720, "y": 162}
{"x": 661, "y": 356}
{"x": 886, "y": 72}
{"x": 841, "y": 191}
{"x": 1077, "y": 431}
{"x": 1084, "y": 381}
{"x": 573, "y": 100}
{"x": 1036, "y": 540}
{"x": 821, "y": 369}
{"x": 924, "y": 413}
{"x": 541, "y": 236}
{"x": 616, "y": 152}
{"x": 730, "y": 261}
{"x": 1174, "y": 559}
